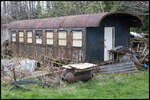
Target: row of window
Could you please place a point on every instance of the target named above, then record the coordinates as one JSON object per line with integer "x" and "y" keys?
{"x": 62, "y": 38}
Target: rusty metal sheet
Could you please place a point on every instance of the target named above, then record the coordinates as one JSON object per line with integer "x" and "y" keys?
{"x": 86, "y": 20}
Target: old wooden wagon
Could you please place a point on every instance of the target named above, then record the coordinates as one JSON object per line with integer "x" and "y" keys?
{"x": 80, "y": 38}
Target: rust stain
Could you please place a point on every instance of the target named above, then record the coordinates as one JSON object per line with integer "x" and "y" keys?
{"x": 86, "y": 20}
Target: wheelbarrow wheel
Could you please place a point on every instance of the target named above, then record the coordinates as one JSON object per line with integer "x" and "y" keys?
{"x": 69, "y": 77}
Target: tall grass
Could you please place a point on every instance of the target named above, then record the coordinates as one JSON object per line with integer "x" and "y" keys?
{"x": 115, "y": 86}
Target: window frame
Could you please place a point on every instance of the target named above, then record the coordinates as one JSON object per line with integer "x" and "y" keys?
{"x": 13, "y": 32}
{"x": 29, "y": 37}
{"x": 49, "y": 38}
{"x": 76, "y": 39}
{"x": 40, "y": 38}
{"x": 21, "y": 37}
{"x": 61, "y": 38}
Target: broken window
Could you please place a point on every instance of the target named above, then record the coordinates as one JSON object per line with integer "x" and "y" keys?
{"x": 29, "y": 37}
{"x": 14, "y": 36}
{"x": 21, "y": 37}
{"x": 49, "y": 38}
{"x": 62, "y": 38}
{"x": 38, "y": 36}
{"x": 77, "y": 38}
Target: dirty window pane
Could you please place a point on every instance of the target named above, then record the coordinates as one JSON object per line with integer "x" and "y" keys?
{"x": 38, "y": 36}
{"x": 14, "y": 35}
{"x": 29, "y": 34}
{"x": 77, "y": 43}
{"x": 49, "y": 41}
{"x": 21, "y": 39}
{"x": 29, "y": 37}
{"x": 77, "y": 38}
{"x": 77, "y": 35}
{"x": 21, "y": 35}
{"x": 62, "y": 42}
{"x": 29, "y": 40}
{"x": 49, "y": 34}
{"x": 62, "y": 38}
{"x": 14, "y": 39}
{"x": 62, "y": 35}
{"x": 39, "y": 41}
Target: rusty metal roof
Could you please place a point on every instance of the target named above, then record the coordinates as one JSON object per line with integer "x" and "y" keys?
{"x": 86, "y": 20}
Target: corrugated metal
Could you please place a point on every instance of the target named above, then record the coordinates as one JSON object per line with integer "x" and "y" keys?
{"x": 86, "y": 20}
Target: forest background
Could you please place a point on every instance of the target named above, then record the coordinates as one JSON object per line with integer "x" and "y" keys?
{"x": 22, "y": 10}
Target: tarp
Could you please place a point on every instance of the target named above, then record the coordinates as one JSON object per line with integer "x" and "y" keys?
{"x": 136, "y": 34}
{"x": 25, "y": 64}
{"x": 28, "y": 64}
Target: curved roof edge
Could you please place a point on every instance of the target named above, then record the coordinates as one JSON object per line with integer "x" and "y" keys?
{"x": 86, "y": 20}
{"x": 138, "y": 19}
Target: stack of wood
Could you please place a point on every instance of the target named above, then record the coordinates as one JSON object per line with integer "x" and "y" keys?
{"x": 145, "y": 52}
{"x": 141, "y": 49}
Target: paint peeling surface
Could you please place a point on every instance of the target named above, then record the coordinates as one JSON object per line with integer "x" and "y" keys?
{"x": 79, "y": 66}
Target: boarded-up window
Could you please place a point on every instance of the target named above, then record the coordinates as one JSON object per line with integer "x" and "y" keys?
{"x": 38, "y": 36}
{"x": 14, "y": 36}
{"x": 29, "y": 37}
{"x": 49, "y": 38}
{"x": 21, "y": 37}
{"x": 62, "y": 38}
{"x": 77, "y": 38}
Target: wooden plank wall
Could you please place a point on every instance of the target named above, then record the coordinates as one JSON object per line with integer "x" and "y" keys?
{"x": 33, "y": 50}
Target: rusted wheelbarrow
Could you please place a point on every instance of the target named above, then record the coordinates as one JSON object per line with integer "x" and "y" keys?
{"x": 76, "y": 72}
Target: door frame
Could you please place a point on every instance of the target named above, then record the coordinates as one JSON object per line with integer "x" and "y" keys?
{"x": 106, "y": 54}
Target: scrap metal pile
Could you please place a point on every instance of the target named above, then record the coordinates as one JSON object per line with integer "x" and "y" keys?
{"x": 19, "y": 71}
{"x": 140, "y": 48}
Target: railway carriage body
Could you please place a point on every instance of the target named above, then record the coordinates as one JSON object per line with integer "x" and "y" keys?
{"x": 80, "y": 38}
